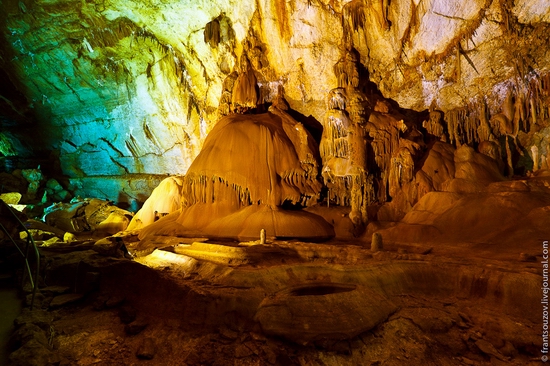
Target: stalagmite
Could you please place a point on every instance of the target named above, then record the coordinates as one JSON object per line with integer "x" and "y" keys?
{"x": 376, "y": 243}
{"x": 165, "y": 199}
{"x": 535, "y": 157}
{"x": 343, "y": 144}
{"x": 262, "y": 236}
{"x": 544, "y": 162}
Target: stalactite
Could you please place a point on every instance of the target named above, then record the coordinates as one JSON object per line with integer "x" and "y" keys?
{"x": 381, "y": 10}
{"x": 484, "y": 131}
{"x": 133, "y": 146}
{"x": 386, "y": 141}
{"x": 501, "y": 124}
{"x": 339, "y": 69}
{"x": 450, "y": 119}
{"x": 509, "y": 164}
{"x": 337, "y": 99}
{"x": 244, "y": 95}
{"x": 212, "y": 33}
{"x": 149, "y": 134}
{"x": 520, "y": 115}
{"x": 334, "y": 140}
{"x": 538, "y": 97}
{"x": 433, "y": 125}
{"x": 179, "y": 66}
{"x": 508, "y": 105}
{"x": 462, "y": 125}
{"x": 224, "y": 106}
{"x": 353, "y": 20}
{"x": 401, "y": 170}
{"x": 353, "y": 16}
{"x": 103, "y": 34}
{"x": 472, "y": 124}
{"x": 200, "y": 189}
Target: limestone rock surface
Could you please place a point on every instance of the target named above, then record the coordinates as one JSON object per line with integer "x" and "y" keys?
{"x": 129, "y": 90}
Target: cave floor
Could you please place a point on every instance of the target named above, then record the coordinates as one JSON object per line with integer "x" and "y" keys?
{"x": 295, "y": 303}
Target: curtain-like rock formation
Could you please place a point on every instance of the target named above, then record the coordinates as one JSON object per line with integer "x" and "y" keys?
{"x": 250, "y": 168}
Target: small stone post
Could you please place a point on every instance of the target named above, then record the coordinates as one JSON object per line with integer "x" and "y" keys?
{"x": 376, "y": 244}
{"x": 262, "y": 236}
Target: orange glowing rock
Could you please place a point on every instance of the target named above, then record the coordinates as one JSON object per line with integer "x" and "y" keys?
{"x": 250, "y": 159}
{"x": 250, "y": 165}
{"x": 164, "y": 200}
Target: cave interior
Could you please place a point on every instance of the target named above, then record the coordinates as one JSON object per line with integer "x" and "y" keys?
{"x": 320, "y": 182}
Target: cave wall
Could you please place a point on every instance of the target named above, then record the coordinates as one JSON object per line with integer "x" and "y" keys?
{"x": 126, "y": 91}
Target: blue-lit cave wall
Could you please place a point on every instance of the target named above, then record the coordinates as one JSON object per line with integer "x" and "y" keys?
{"x": 111, "y": 100}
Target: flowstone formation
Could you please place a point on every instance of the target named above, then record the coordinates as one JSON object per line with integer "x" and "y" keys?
{"x": 366, "y": 156}
{"x": 343, "y": 146}
{"x": 254, "y": 173}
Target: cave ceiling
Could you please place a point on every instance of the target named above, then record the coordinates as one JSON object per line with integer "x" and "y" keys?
{"x": 132, "y": 88}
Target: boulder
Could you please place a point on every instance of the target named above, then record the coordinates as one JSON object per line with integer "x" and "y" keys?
{"x": 40, "y": 318}
{"x": 87, "y": 215}
{"x": 146, "y": 349}
{"x": 65, "y": 299}
{"x": 33, "y": 353}
{"x": 11, "y": 198}
{"x": 54, "y": 185}
{"x": 115, "y": 222}
{"x": 109, "y": 246}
